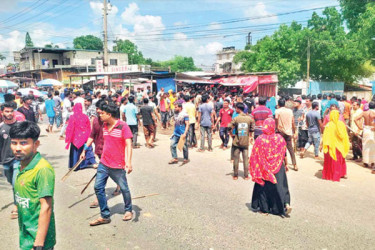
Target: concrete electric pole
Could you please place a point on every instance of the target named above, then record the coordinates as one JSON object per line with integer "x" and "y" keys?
{"x": 105, "y": 42}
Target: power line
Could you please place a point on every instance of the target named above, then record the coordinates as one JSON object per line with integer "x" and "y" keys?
{"x": 23, "y": 11}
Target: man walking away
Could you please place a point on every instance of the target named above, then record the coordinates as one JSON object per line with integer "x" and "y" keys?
{"x": 116, "y": 157}
{"x": 225, "y": 117}
{"x": 181, "y": 119}
{"x": 149, "y": 123}
{"x": 190, "y": 109}
{"x": 205, "y": 121}
{"x": 130, "y": 116}
{"x": 315, "y": 126}
{"x": 286, "y": 127}
{"x": 67, "y": 109}
{"x": 58, "y": 102}
{"x": 50, "y": 110}
{"x": 34, "y": 188}
{"x": 244, "y": 126}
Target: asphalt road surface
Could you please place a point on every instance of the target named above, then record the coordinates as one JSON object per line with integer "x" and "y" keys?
{"x": 199, "y": 206}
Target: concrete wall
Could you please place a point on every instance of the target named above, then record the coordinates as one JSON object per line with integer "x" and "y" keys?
{"x": 367, "y": 95}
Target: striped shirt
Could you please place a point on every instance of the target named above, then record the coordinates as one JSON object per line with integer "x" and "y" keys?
{"x": 260, "y": 114}
{"x": 113, "y": 155}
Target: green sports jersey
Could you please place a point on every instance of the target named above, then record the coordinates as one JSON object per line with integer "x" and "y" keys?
{"x": 35, "y": 181}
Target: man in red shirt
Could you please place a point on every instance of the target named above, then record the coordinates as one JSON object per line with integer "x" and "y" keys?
{"x": 225, "y": 117}
{"x": 116, "y": 157}
{"x": 259, "y": 114}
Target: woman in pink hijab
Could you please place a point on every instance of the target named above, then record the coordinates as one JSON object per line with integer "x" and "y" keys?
{"x": 77, "y": 133}
{"x": 266, "y": 166}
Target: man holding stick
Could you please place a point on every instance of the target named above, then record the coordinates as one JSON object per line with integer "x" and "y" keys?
{"x": 115, "y": 158}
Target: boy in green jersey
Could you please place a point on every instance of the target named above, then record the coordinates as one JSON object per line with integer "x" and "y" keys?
{"x": 33, "y": 188}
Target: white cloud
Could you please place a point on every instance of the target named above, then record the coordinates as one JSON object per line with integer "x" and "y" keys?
{"x": 260, "y": 10}
{"x": 210, "y": 48}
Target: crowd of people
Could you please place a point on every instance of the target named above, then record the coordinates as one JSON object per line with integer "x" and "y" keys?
{"x": 100, "y": 129}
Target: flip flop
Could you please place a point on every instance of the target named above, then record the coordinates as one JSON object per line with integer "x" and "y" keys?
{"x": 100, "y": 221}
{"x": 127, "y": 217}
{"x": 94, "y": 204}
{"x": 173, "y": 162}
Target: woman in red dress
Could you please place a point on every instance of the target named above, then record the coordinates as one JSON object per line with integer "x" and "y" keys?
{"x": 335, "y": 145}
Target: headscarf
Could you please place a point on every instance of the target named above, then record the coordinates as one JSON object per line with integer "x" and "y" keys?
{"x": 267, "y": 154}
{"x": 366, "y": 107}
{"x": 335, "y": 136}
{"x": 79, "y": 128}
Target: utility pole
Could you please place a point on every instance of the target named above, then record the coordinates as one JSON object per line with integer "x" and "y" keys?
{"x": 308, "y": 64}
{"x": 105, "y": 42}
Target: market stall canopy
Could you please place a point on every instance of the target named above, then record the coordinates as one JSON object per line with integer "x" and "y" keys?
{"x": 49, "y": 83}
{"x": 7, "y": 84}
{"x": 191, "y": 79}
{"x": 26, "y": 91}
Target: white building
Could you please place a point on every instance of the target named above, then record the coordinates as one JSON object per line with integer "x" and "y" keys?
{"x": 224, "y": 61}
{"x": 49, "y": 58}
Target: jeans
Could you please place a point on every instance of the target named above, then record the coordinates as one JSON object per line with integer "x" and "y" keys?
{"x": 224, "y": 135}
{"x": 236, "y": 160}
{"x": 58, "y": 120}
{"x": 314, "y": 138}
{"x": 10, "y": 172}
{"x": 134, "y": 129}
{"x": 119, "y": 177}
{"x": 51, "y": 120}
{"x": 174, "y": 142}
{"x": 164, "y": 118}
{"x": 207, "y": 130}
{"x": 289, "y": 146}
{"x": 192, "y": 138}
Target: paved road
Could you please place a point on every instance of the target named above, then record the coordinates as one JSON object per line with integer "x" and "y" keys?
{"x": 201, "y": 207}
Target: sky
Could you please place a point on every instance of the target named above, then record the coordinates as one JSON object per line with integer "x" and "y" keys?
{"x": 160, "y": 29}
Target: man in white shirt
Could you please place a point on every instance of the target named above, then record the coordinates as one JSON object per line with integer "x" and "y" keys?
{"x": 67, "y": 109}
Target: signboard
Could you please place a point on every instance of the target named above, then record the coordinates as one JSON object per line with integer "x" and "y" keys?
{"x": 99, "y": 66}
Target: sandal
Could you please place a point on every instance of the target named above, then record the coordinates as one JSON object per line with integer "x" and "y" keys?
{"x": 14, "y": 214}
{"x": 186, "y": 161}
{"x": 200, "y": 150}
{"x": 100, "y": 221}
{"x": 128, "y": 216}
{"x": 173, "y": 161}
{"x": 94, "y": 204}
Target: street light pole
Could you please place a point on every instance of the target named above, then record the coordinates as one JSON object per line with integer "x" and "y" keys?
{"x": 105, "y": 42}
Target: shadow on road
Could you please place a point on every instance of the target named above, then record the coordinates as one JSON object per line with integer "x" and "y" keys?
{"x": 319, "y": 174}
{"x": 6, "y": 206}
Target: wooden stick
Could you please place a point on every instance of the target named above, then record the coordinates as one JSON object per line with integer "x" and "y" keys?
{"x": 72, "y": 169}
{"x": 87, "y": 185}
{"x": 144, "y": 196}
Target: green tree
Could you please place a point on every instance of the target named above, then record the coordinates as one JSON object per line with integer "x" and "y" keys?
{"x": 51, "y": 46}
{"x": 134, "y": 55}
{"x": 2, "y": 57}
{"x": 279, "y": 52}
{"x": 28, "y": 41}
{"x": 352, "y": 10}
{"x": 89, "y": 42}
{"x": 180, "y": 64}
{"x": 335, "y": 55}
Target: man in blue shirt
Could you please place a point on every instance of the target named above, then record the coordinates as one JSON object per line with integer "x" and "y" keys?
{"x": 206, "y": 121}
{"x": 181, "y": 128}
{"x": 50, "y": 110}
{"x": 130, "y": 117}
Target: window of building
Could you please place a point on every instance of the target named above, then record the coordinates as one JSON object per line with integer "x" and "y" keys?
{"x": 93, "y": 61}
{"x": 228, "y": 56}
{"x": 113, "y": 62}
